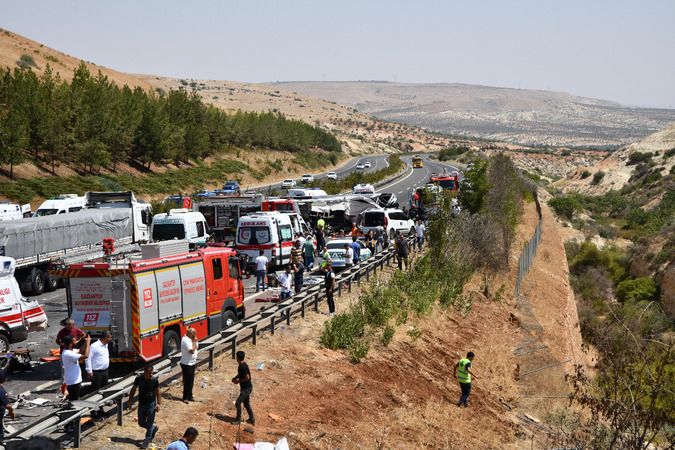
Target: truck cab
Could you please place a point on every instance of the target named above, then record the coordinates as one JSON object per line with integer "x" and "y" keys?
{"x": 141, "y": 213}
{"x": 180, "y": 223}
{"x": 18, "y": 316}
{"x": 12, "y": 211}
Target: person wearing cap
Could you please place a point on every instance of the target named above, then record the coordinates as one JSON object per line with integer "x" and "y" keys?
{"x": 4, "y": 405}
{"x": 72, "y": 374}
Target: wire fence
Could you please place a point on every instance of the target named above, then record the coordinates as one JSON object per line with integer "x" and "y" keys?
{"x": 529, "y": 250}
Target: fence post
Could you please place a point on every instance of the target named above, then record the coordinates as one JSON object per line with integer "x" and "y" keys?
{"x": 234, "y": 346}
{"x": 120, "y": 402}
{"x": 211, "y": 358}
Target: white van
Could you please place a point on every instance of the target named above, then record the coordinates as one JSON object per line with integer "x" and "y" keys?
{"x": 12, "y": 211}
{"x": 270, "y": 231}
{"x": 64, "y": 203}
{"x": 180, "y": 223}
{"x": 18, "y": 316}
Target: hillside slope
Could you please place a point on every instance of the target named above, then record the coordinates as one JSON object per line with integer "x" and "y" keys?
{"x": 513, "y": 115}
{"x": 13, "y": 47}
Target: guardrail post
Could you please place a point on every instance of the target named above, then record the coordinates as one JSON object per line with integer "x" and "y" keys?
{"x": 349, "y": 286}
{"x": 120, "y": 406}
{"x": 367, "y": 273}
{"x": 316, "y": 302}
{"x": 77, "y": 438}
{"x": 211, "y": 358}
{"x": 234, "y": 346}
{"x": 273, "y": 322}
{"x": 302, "y": 310}
{"x": 340, "y": 289}
{"x": 254, "y": 336}
{"x": 288, "y": 316}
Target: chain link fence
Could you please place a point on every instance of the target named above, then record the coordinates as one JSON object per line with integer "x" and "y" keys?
{"x": 529, "y": 251}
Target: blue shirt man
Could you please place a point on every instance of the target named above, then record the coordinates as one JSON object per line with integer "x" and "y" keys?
{"x": 183, "y": 443}
{"x": 357, "y": 249}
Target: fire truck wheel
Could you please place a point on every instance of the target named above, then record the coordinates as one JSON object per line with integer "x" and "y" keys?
{"x": 171, "y": 343}
{"x": 4, "y": 343}
{"x": 37, "y": 281}
{"x": 229, "y": 318}
{"x": 51, "y": 283}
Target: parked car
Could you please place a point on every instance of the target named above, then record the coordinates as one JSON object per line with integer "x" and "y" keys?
{"x": 367, "y": 164}
{"x": 288, "y": 183}
{"x": 336, "y": 250}
{"x": 231, "y": 187}
{"x": 360, "y": 166}
{"x": 331, "y": 176}
{"x": 307, "y": 178}
{"x": 391, "y": 219}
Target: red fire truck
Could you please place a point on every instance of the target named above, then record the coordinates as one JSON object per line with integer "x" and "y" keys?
{"x": 446, "y": 181}
{"x": 147, "y": 304}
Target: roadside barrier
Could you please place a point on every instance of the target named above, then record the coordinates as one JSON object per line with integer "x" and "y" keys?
{"x": 529, "y": 251}
{"x": 227, "y": 340}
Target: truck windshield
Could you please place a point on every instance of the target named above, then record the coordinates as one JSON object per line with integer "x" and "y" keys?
{"x": 168, "y": 231}
{"x": 45, "y": 212}
{"x": 253, "y": 235}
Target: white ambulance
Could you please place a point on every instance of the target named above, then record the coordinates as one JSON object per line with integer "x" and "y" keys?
{"x": 270, "y": 231}
{"x": 18, "y": 316}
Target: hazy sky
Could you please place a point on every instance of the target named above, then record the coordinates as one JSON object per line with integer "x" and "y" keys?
{"x": 613, "y": 49}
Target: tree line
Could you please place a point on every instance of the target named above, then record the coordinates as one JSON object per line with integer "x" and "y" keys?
{"x": 93, "y": 123}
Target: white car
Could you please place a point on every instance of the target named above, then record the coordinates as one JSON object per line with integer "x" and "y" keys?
{"x": 392, "y": 220}
{"x": 367, "y": 164}
{"x": 360, "y": 166}
{"x": 307, "y": 178}
{"x": 336, "y": 250}
{"x": 331, "y": 176}
{"x": 288, "y": 183}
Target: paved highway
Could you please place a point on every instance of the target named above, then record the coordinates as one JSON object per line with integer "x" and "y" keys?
{"x": 54, "y": 303}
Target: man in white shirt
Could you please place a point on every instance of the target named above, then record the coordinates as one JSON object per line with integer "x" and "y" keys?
{"x": 420, "y": 229}
{"x": 261, "y": 263}
{"x": 71, "y": 358}
{"x": 349, "y": 256}
{"x": 285, "y": 283}
{"x": 98, "y": 362}
{"x": 188, "y": 362}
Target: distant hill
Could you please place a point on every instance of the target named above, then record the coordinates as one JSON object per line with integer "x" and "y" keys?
{"x": 512, "y": 115}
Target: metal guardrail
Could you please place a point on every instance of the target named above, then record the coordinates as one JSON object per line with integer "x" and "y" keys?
{"x": 226, "y": 340}
{"x": 529, "y": 251}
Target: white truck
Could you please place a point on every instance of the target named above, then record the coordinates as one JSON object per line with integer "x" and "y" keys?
{"x": 37, "y": 243}
{"x": 178, "y": 224}
{"x": 18, "y": 316}
{"x": 12, "y": 211}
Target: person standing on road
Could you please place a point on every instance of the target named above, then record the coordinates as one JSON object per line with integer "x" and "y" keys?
{"x": 320, "y": 238}
{"x": 189, "y": 347}
{"x": 298, "y": 276}
{"x": 325, "y": 259}
{"x": 296, "y": 252}
{"x": 463, "y": 374}
{"x": 261, "y": 263}
{"x": 285, "y": 283}
{"x": 401, "y": 247}
{"x": 98, "y": 362}
{"x": 149, "y": 401}
{"x": 420, "y": 230}
{"x": 243, "y": 379}
{"x": 357, "y": 250}
{"x": 72, "y": 374}
{"x": 355, "y": 231}
{"x": 4, "y": 405}
{"x": 183, "y": 443}
{"x": 349, "y": 256}
{"x": 329, "y": 279}
{"x": 308, "y": 253}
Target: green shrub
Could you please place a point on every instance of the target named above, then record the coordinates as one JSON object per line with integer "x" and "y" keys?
{"x": 565, "y": 206}
{"x": 387, "y": 335}
{"x": 26, "y": 61}
{"x": 451, "y": 153}
{"x": 638, "y": 157}
{"x": 358, "y": 350}
{"x": 414, "y": 333}
{"x": 597, "y": 177}
{"x": 636, "y": 289}
{"x": 343, "y": 330}
{"x": 585, "y": 174}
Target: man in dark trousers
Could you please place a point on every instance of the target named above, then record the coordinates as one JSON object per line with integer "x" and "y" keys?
{"x": 148, "y": 402}
{"x": 71, "y": 358}
{"x": 243, "y": 379}
{"x": 4, "y": 405}
{"x": 401, "y": 246}
{"x": 330, "y": 286}
{"x": 463, "y": 374}
{"x": 189, "y": 347}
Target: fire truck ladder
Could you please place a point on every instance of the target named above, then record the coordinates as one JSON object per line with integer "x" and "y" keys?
{"x": 118, "y": 312}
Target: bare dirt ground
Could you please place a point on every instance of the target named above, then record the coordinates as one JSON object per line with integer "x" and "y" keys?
{"x": 400, "y": 396}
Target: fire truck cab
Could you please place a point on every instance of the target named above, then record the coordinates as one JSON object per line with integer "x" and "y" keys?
{"x": 148, "y": 304}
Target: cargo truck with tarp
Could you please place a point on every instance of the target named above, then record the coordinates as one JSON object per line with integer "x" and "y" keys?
{"x": 148, "y": 303}
{"x": 37, "y": 243}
